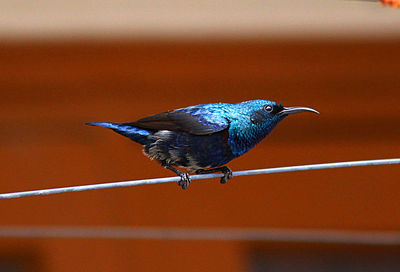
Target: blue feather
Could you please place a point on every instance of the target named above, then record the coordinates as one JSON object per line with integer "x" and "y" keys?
{"x": 136, "y": 134}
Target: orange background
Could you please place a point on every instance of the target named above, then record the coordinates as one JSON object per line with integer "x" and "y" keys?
{"x": 49, "y": 90}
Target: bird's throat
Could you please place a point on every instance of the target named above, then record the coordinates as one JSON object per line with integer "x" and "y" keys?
{"x": 242, "y": 140}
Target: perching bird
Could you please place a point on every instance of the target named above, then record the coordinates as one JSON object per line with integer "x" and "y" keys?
{"x": 202, "y": 138}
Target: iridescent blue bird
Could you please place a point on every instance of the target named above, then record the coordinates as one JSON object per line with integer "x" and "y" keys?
{"x": 202, "y": 138}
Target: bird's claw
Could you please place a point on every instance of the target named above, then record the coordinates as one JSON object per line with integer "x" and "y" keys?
{"x": 185, "y": 180}
{"x": 227, "y": 175}
{"x": 225, "y": 170}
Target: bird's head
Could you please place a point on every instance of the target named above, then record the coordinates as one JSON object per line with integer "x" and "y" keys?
{"x": 255, "y": 119}
{"x": 273, "y": 112}
{"x": 269, "y": 112}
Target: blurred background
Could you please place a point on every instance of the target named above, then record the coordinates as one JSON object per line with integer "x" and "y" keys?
{"x": 67, "y": 63}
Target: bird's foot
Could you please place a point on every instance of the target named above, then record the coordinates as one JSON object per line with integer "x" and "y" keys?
{"x": 185, "y": 180}
{"x": 227, "y": 174}
{"x": 224, "y": 169}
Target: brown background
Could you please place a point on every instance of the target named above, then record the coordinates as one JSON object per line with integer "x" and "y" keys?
{"x": 50, "y": 89}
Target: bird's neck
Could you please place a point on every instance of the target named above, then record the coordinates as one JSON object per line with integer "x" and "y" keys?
{"x": 242, "y": 139}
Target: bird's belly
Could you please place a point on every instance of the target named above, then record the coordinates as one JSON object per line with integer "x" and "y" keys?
{"x": 190, "y": 151}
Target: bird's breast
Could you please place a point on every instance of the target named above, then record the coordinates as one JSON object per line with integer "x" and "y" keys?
{"x": 190, "y": 151}
{"x": 241, "y": 140}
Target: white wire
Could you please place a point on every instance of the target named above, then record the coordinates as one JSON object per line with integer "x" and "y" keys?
{"x": 197, "y": 177}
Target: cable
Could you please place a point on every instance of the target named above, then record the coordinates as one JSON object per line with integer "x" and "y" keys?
{"x": 205, "y": 234}
{"x": 197, "y": 177}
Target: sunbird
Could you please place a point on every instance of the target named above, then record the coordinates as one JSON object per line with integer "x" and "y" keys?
{"x": 203, "y": 138}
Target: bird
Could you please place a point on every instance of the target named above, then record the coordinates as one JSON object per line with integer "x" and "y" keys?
{"x": 203, "y": 138}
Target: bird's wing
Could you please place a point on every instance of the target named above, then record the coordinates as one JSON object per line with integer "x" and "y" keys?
{"x": 195, "y": 120}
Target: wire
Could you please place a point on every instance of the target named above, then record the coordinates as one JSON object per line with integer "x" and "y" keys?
{"x": 205, "y": 234}
{"x": 198, "y": 177}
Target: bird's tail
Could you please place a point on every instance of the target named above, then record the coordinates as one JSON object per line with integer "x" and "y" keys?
{"x": 135, "y": 134}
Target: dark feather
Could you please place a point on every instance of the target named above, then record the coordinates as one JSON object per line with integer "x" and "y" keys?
{"x": 181, "y": 121}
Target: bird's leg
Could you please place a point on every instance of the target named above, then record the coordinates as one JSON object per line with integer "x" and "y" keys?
{"x": 185, "y": 178}
{"x": 224, "y": 169}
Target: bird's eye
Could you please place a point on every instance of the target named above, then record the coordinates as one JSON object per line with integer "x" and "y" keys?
{"x": 268, "y": 108}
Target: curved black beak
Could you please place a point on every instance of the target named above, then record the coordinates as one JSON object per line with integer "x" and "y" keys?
{"x": 292, "y": 110}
